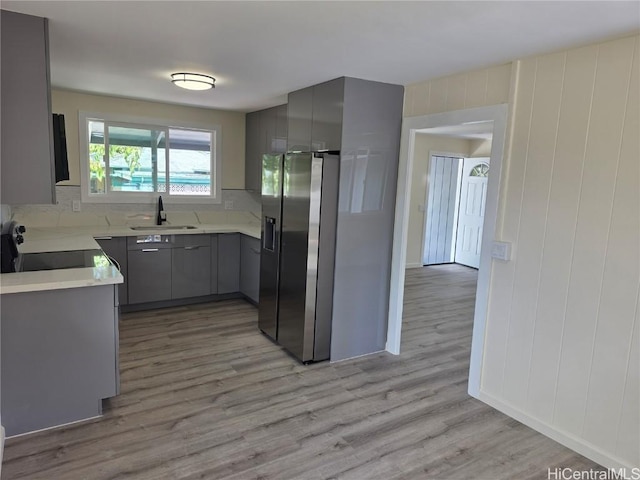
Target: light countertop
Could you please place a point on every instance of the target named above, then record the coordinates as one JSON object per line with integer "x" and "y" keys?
{"x": 83, "y": 238}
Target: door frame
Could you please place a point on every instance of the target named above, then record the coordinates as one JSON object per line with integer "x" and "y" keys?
{"x": 498, "y": 114}
{"x": 432, "y": 153}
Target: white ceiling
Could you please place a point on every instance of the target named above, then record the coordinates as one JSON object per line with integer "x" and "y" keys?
{"x": 259, "y": 51}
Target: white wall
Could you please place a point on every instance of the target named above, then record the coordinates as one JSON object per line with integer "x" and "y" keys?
{"x": 480, "y": 148}
{"x": 562, "y": 346}
{"x": 233, "y": 127}
{"x": 489, "y": 86}
{"x": 424, "y": 144}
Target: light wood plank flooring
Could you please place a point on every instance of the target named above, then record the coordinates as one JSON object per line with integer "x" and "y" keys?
{"x": 206, "y": 396}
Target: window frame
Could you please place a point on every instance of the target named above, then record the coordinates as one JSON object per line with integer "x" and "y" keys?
{"x": 215, "y": 197}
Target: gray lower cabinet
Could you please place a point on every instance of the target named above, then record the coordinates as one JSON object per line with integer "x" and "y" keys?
{"x": 59, "y": 356}
{"x": 250, "y": 267}
{"x": 177, "y": 267}
{"x": 190, "y": 266}
{"x": 149, "y": 275}
{"x": 228, "y": 262}
{"x": 116, "y": 248}
{"x": 214, "y": 265}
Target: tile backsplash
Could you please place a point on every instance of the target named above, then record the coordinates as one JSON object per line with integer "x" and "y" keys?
{"x": 243, "y": 204}
{"x": 5, "y": 213}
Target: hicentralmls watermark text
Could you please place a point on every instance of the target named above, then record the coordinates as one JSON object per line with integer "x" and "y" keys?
{"x": 560, "y": 473}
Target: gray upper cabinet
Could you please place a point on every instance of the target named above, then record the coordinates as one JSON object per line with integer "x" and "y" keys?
{"x": 268, "y": 119}
{"x": 326, "y": 126}
{"x": 280, "y": 143}
{"x": 299, "y": 117}
{"x": 315, "y": 117}
{"x": 266, "y": 132}
{"x": 252, "y": 169}
{"x": 27, "y": 168}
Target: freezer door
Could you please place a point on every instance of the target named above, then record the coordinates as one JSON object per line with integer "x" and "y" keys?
{"x": 298, "y": 260}
{"x": 270, "y": 236}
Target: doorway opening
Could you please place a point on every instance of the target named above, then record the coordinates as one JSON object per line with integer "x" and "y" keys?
{"x": 496, "y": 117}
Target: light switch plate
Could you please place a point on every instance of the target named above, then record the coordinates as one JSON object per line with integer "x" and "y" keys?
{"x": 76, "y": 205}
{"x": 228, "y": 204}
{"x": 501, "y": 251}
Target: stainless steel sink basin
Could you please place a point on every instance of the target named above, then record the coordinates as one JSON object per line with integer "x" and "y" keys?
{"x": 163, "y": 227}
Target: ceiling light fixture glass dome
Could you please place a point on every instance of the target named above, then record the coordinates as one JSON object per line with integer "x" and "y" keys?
{"x": 193, "y": 81}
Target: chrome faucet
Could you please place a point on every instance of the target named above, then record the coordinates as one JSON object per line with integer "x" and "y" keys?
{"x": 162, "y": 216}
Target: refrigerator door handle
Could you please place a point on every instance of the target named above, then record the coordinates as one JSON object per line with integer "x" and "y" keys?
{"x": 269, "y": 240}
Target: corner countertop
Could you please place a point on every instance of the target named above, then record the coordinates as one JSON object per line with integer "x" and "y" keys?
{"x": 83, "y": 238}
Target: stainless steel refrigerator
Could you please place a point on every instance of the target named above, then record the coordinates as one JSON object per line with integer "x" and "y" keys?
{"x": 299, "y": 213}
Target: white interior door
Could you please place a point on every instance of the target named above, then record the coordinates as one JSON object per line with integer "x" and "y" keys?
{"x": 473, "y": 198}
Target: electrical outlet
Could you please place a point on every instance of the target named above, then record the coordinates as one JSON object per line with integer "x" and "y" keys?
{"x": 76, "y": 205}
{"x": 228, "y": 204}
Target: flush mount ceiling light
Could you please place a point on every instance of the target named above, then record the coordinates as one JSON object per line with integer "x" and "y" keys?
{"x": 193, "y": 81}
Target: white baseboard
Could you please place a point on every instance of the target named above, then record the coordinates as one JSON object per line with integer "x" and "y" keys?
{"x": 414, "y": 265}
{"x": 576, "y": 444}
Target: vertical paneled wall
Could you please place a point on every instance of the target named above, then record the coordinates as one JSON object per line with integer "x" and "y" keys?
{"x": 478, "y": 88}
{"x": 562, "y": 341}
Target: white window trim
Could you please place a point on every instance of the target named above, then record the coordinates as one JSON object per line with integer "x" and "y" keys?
{"x": 125, "y": 197}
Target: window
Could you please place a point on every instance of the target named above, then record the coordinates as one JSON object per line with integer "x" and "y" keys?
{"x": 480, "y": 170}
{"x": 126, "y": 159}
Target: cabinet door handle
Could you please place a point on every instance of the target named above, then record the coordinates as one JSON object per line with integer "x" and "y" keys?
{"x": 103, "y": 238}
{"x": 194, "y": 247}
{"x": 257, "y": 252}
{"x": 150, "y": 249}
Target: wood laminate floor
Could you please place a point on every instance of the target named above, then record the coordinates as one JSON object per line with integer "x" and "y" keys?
{"x": 206, "y": 396}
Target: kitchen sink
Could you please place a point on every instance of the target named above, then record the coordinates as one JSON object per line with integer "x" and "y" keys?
{"x": 164, "y": 227}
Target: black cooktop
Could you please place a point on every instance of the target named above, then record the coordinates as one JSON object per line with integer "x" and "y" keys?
{"x": 31, "y": 262}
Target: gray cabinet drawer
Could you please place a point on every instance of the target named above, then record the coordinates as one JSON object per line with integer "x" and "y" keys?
{"x": 141, "y": 242}
{"x": 197, "y": 240}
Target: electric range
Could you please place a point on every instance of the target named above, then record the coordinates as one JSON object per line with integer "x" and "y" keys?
{"x": 30, "y": 262}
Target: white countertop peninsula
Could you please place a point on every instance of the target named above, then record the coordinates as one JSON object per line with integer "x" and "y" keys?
{"x": 52, "y": 239}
